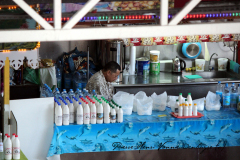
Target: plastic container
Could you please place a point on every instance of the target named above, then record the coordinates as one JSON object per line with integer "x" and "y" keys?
{"x": 65, "y": 115}
{"x": 64, "y": 94}
{"x": 58, "y": 115}
{"x": 16, "y": 148}
{"x": 120, "y": 115}
{"x": 199, "y": 64}
{"x": 125, "y": 100}
{"x": 219, "y": 90}
{"x": 86, "y": 114}
{"x": 199, "y": 115}
{"x": 59, "y": 78}
{"x": 154, "y": 55}
{"x": 1, "y": 148}
{"x": 222, "y": 64}
{"x": 234, "y": 96}
{"x": 142, "y": 66}
{"x": 154, "y": 68}
{"x": 79, "y": 114}
{"x": 71, "y": 94}
{"x": 226, "y": 96}
{"x": 67, "y": 81}
{"x": 57, "y": 94}
{"x": 145, "y": 106}
{"x": 8, "y": 149}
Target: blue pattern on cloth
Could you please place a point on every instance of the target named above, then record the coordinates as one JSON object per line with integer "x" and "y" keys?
{"x": 214, "y": 129}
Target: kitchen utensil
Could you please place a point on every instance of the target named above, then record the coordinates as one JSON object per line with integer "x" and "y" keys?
{"x": 199, "y": 64}
{"x": 155, "y": 68}
{"x": 222, "y": 64}
{"x": 177, "y": 65}
{"x": 142, "y": 66}
{"x": 192, "y": 76}
{"x": 154, "y": 55}
{"x": 191, "y": 50}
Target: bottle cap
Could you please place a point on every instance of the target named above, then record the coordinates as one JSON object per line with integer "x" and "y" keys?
{"x": 180, "y": 93}
{"x": 64, "y": 89}
{"x": 8, "y": 136}
{"x": 70, "y": 101}
{"x": 93, "y": 90}
{"x": 190, "y": 104}
{"x": 186, "y": 105}
{"x": 77, "y": 89}
{"x": 177, "y": 100}
{"x": 189, "y": 93}
{"x": 219, "y": 81}
{"x": 185, "y": 100}
{"x": 13, "y": 134}
{"x": 93, "y": 102}
{"x": 120, "y": 106}
{"x": 180, "y": 104}
{"x": 71, "y": 90}
{"x": 86, "y": 102}
{"x": 195, "y": 104}
{"x": 79, "y": 103}
{"x": 16, "y": 135}
{"x": 226, "y": 84}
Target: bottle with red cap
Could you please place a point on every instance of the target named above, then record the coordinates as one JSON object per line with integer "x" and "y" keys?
{"x": 5, "y": 138}
{"x": 13, "y": 137}
{"x": 93, "y": 113}
{"x": 8, "y": 149}
{"x": 86, "y": 113}
{"x": 16, "y": 148}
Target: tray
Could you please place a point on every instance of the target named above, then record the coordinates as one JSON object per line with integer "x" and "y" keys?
{"x": 198, "y": 116}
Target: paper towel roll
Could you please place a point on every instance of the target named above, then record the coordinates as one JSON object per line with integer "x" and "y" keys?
{"x": 132, "y": 60}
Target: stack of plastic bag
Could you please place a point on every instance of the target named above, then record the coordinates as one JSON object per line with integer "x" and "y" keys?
{"x": 142, "y": 104}
{"x": 159, "y": 101}
{"x": 125, "y": 100}
{"x": 140, "y": 95}
{"x": 200, "y": 103}
{"x": 213, "y": 101}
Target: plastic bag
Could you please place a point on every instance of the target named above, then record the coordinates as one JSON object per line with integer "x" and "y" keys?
{"x": 213, "y": 101}
{"x": 159, "y": 101}
{"x": 32, "y": 75}
{"x": 172, "y": 101}
{"x": 125, "y": 100}
{"x": 145, "y": 106}
{"x": 140, "y": 95}
{"x": 200, "y": 103}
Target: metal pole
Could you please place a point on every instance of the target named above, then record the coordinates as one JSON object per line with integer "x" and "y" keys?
{"x": 87, "y": 62}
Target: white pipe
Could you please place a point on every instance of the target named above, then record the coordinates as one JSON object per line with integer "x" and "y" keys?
{"x": 118, "y": 32}
{"x": 164, "y": 13}
{"x": 31, "y": 12}
{"x": 57, "y": 14}
{"x": 185, "y": 10}
{"x": 80, "y": 14}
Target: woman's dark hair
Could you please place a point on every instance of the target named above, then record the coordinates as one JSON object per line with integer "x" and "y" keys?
{"x": 112, "y": 66}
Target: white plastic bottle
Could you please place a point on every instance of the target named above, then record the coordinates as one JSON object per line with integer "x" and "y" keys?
{"x": 8, "y": 149}
{"x": 180, "y": 98}
{"x": 79, "y": 114}
{"x": 195, "y": 109}
{"x": 16, "y": 148}
{"x": 185, "y": 109}
{"x": 190, "y": 108}
{"x": 86, "y": 114}
{"x": 120, "y": 115}
{"x": 4, "y": 140}
{"x": 189, "y": 99}
{"x": 106, "y": 113}
{"x": 100, "y": 113}
{"x": 58, "y": 115}
{"x": 93, "y": 113}
{"x": 176, "y": 107}
{"x": 13, "y": 137}
{"x": 1, "y": 148}
{"x": 75, "y": 104}
{"x": 113, "y": 115}
{"x": 180, "y": 110}
{"x": 71, "y": 112}
{"x": 65, "y": 116}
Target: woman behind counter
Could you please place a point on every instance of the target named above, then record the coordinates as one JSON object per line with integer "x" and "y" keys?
{"x": 101, "y": 81}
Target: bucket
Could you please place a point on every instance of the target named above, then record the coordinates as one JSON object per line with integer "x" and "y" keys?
{"x": 155, "y": 68}
{"x": 142, "y": 66}
{"x": 154, "y": 55}
{"x": 222, "y": 64}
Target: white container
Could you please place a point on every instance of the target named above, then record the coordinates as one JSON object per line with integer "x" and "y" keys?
{"x": 154, "y": 55}
{"x": 71, "y": 112}
{"x": 189, "y": 99}
{"x": 100, "y": 113}
{"x": 113, "y": 115}
{"x": 180, "y": 110}
{"x": 4, "y": 140}
{"x": 120, "y": 115}
{"x": 195, "y": 109}
{"x": 58, "y": 115}
{"x": 199, "y": 64}
{"x": 86, "y": 114}
{"x": 180, "y": 98}
{"x": 13, "y": 137}
{"x": 93, "y": 113}
{"x": 8, "y": 149}
{"x": 65, "y": 116}
{"x": 106, "y": 110}
{"x": 79, "y": 114}
{"x": 185, "y": 109}
{"x": 190, "y": 110}
{"x": 222, "y": 64}
{"x": 75, "y": 104}
{"x": 16, "y": 148}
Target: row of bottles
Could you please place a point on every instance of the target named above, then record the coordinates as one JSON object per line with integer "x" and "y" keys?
{"x": 9, "y": 148}
{"x": 86, "y": 111}
{"x": 229, "y": 94}
{"x": 185, "y": 107}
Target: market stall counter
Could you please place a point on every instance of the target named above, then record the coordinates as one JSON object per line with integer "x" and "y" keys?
{"x": 155, "y": 132}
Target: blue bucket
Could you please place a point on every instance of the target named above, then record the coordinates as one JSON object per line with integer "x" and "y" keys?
{"x": 142, "y": 66}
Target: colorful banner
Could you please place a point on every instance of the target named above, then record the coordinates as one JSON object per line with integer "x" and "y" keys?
{"x": 215, "y": 129}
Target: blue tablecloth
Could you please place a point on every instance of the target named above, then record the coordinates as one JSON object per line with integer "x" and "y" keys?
{"x": 215, "y": 129}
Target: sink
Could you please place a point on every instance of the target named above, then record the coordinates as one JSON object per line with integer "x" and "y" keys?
{"x": 214, "y": 75}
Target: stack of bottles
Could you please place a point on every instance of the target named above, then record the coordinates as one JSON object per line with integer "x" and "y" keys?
{"x": 185, "y": 107}
{"x": 10, "y": 147}
{"x": 230, "y": 95}
{"x": 84, "y": 108}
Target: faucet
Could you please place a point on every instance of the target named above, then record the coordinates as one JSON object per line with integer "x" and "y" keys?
{"x": 209, "y": 65}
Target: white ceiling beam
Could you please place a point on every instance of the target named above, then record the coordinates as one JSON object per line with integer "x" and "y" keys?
{"x": 118, "y": 32}
{"x": 164, "y": 13}
{"x": 57, "y": 14}
{"x": 185, "y": 10}
{"x": 80, "y": 14}
{"x": 31, "y": 12}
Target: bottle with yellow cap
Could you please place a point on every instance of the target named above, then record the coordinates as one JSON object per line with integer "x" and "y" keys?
{"x": 180, "y": 110}
{"x": 190, "y": 109}
{"x": 195, "y": 109}
{"x": 185, "y": 109}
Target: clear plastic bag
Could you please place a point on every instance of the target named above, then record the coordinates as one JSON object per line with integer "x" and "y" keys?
{"x": 200, "y": 103}
{"x": 213, "y": 101}
{"x": 125, "y": 100}
{"x": 144, "y": 106}
{"x": 140, "y": 95}
{"x": 159, "y": 101}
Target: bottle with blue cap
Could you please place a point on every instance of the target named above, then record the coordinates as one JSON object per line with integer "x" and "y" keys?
{"x": 234, "y": 96}
{"x": 58, "y": 115}
{"x": 219, "y": 90}
{"x": 226, "y": 96}
{"x": 78, "y": 93}
{"x": 57, "y": 94}
{"x": 65, "y": 115}
{"x": 71, "y": 94}
{"x": 94, "y": 93}
{"x": 71, "y": 111}
{"x": 79, "y": 114}
{"x": 64, "y": 94}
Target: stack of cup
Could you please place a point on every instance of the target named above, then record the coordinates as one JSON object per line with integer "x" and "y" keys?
{"x": 154, "y": 62}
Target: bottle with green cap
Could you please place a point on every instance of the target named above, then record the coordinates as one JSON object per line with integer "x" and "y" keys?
{"x": 120, "y": 115}
{"x": 113, "y": 115}
{"x": 189, "y": 99}
{"x": 180, "y": 98}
